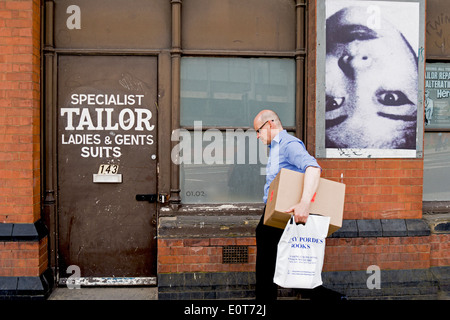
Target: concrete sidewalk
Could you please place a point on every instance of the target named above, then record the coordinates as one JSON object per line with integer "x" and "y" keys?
{"x": 110, "y": 293}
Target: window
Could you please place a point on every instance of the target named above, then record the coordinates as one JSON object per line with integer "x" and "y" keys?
{"x": 436, "y": 173}
{"x": 221, "y": 160}
{"x": 437, "y": 133}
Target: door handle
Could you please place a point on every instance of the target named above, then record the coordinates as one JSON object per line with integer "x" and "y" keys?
{"x": 147, "y": 197}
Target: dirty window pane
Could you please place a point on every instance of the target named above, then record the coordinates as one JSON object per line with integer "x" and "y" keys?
{"x": 231, "y": 91}
{"x": 436, "y": 173}
{"x": 228, "y": 167}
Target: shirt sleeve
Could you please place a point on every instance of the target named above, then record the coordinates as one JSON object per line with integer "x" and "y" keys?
{"x": 297, "y": 155}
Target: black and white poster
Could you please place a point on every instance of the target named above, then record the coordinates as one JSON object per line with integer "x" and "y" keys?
{"x": 437, "y": 96}
{"x": 370, "y": 103}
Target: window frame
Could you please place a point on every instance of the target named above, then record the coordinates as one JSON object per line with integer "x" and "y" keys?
{"x": 304, "y": 12}
{"x": 435, "y": 206}
{"x": 291, "y": 129}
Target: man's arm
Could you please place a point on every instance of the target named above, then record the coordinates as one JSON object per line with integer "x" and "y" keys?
{"x": 310, "y": 184}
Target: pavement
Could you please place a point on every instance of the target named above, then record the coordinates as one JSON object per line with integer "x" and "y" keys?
{"x": 108, "y": 293}
{"x": 129, "y": 293}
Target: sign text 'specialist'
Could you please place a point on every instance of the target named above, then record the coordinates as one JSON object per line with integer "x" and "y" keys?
{"x": 106, "y": 112}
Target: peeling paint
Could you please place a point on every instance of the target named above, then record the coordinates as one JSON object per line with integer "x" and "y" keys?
{"x": 110, "y": 281}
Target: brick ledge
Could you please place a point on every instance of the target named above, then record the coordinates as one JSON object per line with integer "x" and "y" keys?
{"x": 15, "y": 232}
{"x": 213, "y": 226}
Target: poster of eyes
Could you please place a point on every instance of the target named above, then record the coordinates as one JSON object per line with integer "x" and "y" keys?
{"x": 371, "y": 100}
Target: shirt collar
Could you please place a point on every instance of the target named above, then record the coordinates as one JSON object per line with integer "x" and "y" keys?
{"x": 278, "y": 138}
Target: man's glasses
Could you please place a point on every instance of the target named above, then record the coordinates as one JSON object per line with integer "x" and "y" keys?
{"x": 257, "y": 131}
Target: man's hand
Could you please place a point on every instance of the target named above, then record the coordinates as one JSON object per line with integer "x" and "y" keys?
{"x": 310, "y": 185}
{"x": 301, "y": 211}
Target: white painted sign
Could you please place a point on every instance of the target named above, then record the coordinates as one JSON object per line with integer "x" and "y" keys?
{"x": 106, "y": 114}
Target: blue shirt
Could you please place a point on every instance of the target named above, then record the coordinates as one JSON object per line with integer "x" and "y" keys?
{"x": 286, "y": 151}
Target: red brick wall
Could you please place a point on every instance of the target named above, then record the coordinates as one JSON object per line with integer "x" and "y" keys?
{"x": 20, "y": 133}
{"x": 19, "y": 111}
{"x": 19, "y": 259}
{"x": 344, "y": 254}
{"x": 379, "y": 188}
{"x": 388, "y": 253}
{"x": 440, "y": 250}
{"x": 202, "y": 255}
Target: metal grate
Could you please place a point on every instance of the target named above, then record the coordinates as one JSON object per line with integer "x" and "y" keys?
{"x": 235, "y": 254}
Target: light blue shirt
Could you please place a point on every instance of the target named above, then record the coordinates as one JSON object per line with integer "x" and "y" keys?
{"x": 286, "y": 151}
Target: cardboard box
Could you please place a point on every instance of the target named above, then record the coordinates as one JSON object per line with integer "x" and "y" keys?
{"x": 286, "y": 190}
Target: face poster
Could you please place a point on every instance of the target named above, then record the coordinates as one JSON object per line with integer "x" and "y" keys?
{"x": 370, "y": 102}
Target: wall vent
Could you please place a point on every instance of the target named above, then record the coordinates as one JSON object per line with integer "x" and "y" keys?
{"x": 234, "y": 254}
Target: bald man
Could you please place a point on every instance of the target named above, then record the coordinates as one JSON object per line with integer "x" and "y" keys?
{"x": 286, "y": 151}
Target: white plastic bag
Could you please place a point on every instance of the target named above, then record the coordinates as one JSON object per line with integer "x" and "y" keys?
{"x": 300, "y": 253}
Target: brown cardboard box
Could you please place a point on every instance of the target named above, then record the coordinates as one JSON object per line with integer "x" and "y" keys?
{"x": 286, "y": 190}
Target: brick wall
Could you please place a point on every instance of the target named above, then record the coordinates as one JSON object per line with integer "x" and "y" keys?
{"x": 440, "y": 250}
{"x": 388, "y": 253}
{"x": 414, "y": 261}
{"x": 412, "y": 267}
{"x": 202, "y": 255}
{"x": 343, "y": 254}
{"x": 18, "y": 259}
{"x": 379, "y": 189}
{"x": 19, "y": 111}
{"x": 20, "y": 136}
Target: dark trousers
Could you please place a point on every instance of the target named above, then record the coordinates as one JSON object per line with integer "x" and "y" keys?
{"x": 267, "y": 239}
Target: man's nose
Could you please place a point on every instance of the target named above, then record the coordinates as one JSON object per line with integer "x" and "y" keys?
{"x": 352, "y": 64}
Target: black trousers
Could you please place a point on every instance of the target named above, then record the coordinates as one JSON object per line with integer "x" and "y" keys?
{"x": 267, "y": 239}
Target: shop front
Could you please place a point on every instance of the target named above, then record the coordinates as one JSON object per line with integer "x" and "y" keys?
{"x": 130, "y": 158}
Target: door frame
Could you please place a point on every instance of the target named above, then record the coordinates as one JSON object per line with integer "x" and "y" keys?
{"x": 167, "y": 79}
{"x": 66, "y": 276}
{"x": 49, "y": 143}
